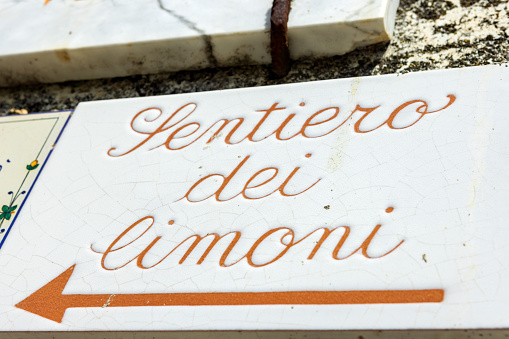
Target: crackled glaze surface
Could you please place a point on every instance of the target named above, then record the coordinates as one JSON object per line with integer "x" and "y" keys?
{"x": 366, "y": 203}
{"x": 71, "y": 40}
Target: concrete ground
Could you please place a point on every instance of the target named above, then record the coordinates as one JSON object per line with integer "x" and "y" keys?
{"x": 429, "y": 34}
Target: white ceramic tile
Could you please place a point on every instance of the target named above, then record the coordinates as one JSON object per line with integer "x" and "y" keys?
{"x": 26, "y": 142}
{"x": 71, "y": 40}
{"x": 123, "y": 187}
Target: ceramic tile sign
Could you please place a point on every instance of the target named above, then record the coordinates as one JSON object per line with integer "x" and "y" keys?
{"x": 366, "y": 203}
{"x": 25, "y": 143}
{"x": 62, "y": 40}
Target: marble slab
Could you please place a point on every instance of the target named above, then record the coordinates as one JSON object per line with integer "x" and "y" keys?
{"x": 26, "y": 143}
{"x": 355, "y": 204}
{"x": 62, "y": 40}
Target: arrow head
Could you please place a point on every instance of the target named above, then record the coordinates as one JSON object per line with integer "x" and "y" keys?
{"x": 48, "y": 301}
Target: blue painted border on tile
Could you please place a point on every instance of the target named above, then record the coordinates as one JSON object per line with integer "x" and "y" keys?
{"x": 38, "y": 174}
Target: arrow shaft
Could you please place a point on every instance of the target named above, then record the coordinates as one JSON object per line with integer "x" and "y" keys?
{"x": 255, "y": 298}
{"x": 50, "y": 303}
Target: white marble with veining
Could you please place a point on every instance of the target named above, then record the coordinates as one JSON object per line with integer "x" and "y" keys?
{"x": 72, "y": 40}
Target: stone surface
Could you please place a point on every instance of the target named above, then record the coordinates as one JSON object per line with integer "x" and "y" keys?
{"x": 408, "y": 170}
{"x": 73, "y": 40}
{"x": 428, "y": 35}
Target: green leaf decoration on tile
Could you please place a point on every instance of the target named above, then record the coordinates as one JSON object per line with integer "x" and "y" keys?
{"x": 7, "y": 212}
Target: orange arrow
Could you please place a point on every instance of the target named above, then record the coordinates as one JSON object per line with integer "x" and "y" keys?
{"x": 50, "y": 303}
